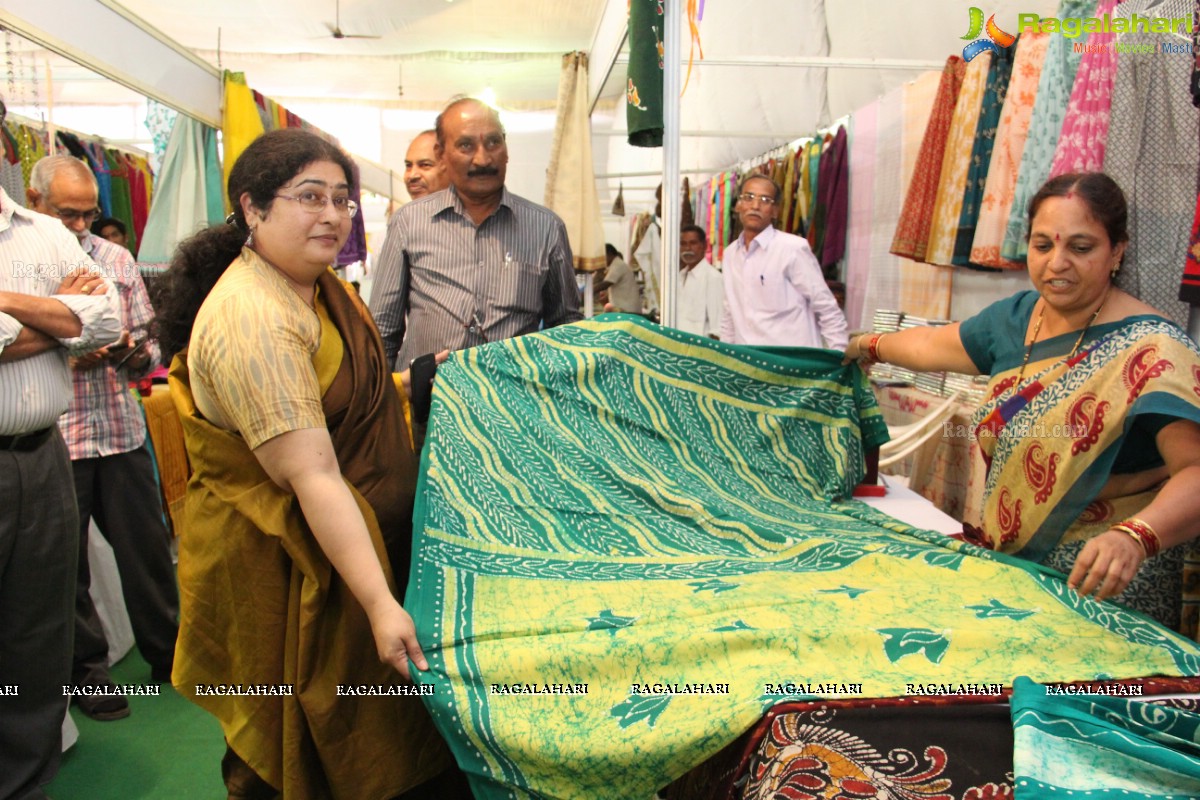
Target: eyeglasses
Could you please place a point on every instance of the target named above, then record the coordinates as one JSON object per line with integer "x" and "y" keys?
{"x": 765, "y": 199}
{"x": 314, "y": 203}
{"x": 69, "y": 215}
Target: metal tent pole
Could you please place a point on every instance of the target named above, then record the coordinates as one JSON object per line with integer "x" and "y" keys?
{"x": 672, "y": 57}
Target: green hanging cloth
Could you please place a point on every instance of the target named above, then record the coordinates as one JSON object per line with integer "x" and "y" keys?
{"x": 644, "y": 85}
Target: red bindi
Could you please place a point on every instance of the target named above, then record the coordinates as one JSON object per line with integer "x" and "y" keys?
{"x": 1058, "y": 237}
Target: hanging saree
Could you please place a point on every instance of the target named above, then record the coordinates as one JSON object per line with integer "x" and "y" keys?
{"x": 1085, "y": 129}
{"x": 1052, "y": 444}
{"x": 1152, "y": 155}
{"x": 912, "y": 232}
{"x": 830, "y": 229}
{"x": 1054, "y": 91}
{"x": 880, "y": 282}
{"x": 260, "y": 602}
{"x": 956, "y": 162}
{"x": 799, "y": 199}
{"x": 1006, "y": 153}
{"x": 241, "y": 123}
{"x": 788, "y": 185}
{"x": 862, "y": 161}
{"x": 924, "y": 290}
{"x": 630, "y": 540}
{"x": 644, "y": 79}
{"x": 981, "y": 154}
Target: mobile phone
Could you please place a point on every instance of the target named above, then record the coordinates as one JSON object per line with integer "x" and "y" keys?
{"x": 421, "y": 372}
{"x": 133, "y": 348}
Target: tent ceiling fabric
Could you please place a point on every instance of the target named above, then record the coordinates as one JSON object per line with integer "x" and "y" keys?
{"x": 309, "y": 63}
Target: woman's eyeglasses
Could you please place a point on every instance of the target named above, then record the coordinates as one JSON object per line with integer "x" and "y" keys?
{"x": 315, "y": 203}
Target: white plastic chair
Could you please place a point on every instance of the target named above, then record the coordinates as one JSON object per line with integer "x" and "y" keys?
{"x": 907, "y": 439}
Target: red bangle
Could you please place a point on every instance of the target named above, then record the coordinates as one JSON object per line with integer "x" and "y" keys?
{"x": 873, "y": 347}
{"x": 1142, "y": 532}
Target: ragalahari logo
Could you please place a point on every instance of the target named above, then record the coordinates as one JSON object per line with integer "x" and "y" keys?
{"x": 993, "y": 40}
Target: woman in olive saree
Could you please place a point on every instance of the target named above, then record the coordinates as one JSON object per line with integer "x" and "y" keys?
{"x": 298, "y": 511}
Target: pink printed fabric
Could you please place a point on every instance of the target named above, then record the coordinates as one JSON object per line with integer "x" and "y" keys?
{"x": 1085, "y": 129}
{"x": 863, "y": 141}
{"x": 882, "y": 286}
{"x": 1006, "y": 156}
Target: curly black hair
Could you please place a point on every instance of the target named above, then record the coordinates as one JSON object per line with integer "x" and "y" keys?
{"x": 268, "y": 163}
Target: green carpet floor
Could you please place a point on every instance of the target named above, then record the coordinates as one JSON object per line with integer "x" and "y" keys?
{"x": 167, "y": 748}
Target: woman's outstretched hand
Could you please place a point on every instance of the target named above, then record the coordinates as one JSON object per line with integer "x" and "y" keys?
{"x": 1106, "y": 565}
{"x": 396, "y": 638}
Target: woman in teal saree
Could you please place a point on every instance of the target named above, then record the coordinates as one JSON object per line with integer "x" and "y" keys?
{"x": 1091, "y": 431}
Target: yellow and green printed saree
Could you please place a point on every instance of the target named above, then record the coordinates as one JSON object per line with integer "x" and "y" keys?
{"x": 630, "y": 542}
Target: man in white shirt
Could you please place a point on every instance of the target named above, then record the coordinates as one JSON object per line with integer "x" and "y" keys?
{"x": 775, "y": 293}
{"x": 53, "y": 303}
{"x": 624, "y": 293}
{"x": 701, "y": 298}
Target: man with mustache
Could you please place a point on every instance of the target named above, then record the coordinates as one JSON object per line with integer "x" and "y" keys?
{"x": 475, "y": 263}
{"x": 775, "y": 293}
{"x": 701, "y": 298}
{"x": 423, "y": 173}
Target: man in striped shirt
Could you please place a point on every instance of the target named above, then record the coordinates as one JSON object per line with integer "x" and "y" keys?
{"x": 53, "y": 302}
{"x": 474, "y": 263}
{"x": 105, "y": 432}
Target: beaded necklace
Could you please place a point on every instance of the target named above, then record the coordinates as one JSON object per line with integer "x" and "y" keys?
{"x": 1037, "y": 327}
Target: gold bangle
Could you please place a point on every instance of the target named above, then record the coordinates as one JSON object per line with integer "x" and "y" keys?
{"x": 1146, "y": 535}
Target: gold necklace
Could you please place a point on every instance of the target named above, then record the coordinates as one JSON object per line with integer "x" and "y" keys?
{"x": 1037, "y": 327}
{"x": 296, "y": 286}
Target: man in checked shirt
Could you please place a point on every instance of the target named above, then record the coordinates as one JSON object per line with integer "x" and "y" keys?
{"x": 105, "y": 432}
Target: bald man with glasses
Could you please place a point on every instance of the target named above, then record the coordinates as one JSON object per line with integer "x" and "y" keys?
{"x": 114, "y": 473}
{"x": 775, "y": 292}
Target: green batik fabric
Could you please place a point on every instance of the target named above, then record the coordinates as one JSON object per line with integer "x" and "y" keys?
{"x": 1095, "y": 746}
{"x": 630, "y": 540}
{"x": 644, "y": 83}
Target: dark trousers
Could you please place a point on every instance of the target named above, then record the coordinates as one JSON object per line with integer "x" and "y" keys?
{"x": 121, "y": 493}
{"x": 38, "y": 527}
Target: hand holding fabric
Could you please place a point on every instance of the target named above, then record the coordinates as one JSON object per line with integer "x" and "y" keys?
{"x": 1106, "y": 565}
{"x": 396, "y": 638}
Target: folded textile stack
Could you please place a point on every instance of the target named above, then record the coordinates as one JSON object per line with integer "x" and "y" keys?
{"x": 971, "y": 388}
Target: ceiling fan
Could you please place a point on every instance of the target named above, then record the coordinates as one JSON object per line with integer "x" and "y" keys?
{"x": 336, "y": 28}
